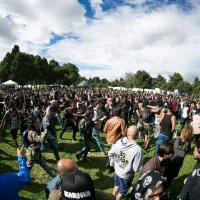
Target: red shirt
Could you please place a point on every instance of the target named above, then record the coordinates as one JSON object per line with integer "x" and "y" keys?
{"x": 174, "y": 105}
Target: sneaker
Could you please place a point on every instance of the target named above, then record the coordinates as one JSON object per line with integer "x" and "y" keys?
{"x": 77, "y": 156}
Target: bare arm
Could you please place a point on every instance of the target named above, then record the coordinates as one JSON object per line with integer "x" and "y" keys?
{"x": 161, "y": 118}
{"x": 173, "y": 123}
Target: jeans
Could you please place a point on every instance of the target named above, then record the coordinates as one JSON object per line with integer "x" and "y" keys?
{"x": 96, "y": 136}
{"x": 86, "y": 148}
{"x": 54, "y": 146}
{"x": 68, "y": 123}
{"x": 161, "y": 138}
{"x": 60, "y": 120}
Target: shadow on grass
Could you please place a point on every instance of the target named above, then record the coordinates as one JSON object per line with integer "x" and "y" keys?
{"x": 34, "y": 186}
{"x": 6, "y": 156}
{"x": 4, "y": 168}
{"x": 176, "y": 186}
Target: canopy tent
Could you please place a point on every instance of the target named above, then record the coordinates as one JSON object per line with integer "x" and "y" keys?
{"x": 10, "y": 82}
{"x": 83, "y": 84}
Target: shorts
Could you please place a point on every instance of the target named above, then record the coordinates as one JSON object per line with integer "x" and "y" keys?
{"x": 13, "y": 132}
{"x": 148, "y": 130}
{"x": 122, "y": 183}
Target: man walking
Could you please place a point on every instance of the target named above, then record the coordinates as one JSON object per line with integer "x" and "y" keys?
{"x": 115, "y": 127}
{"x": 49, "y": 119}
{"x": 126, "y": 156}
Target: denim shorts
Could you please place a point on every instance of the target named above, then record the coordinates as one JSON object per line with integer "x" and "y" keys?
{"x": 122, "y": 183}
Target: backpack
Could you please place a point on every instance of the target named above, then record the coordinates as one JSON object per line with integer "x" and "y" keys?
{"x": 179, "y": 153}
{"x": 25, "y": 140}
{"x": 146, "y": 115}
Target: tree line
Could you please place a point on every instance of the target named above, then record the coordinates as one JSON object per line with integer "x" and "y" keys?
{"x": 142, "y": 79}
{"x": 29, "y": 69}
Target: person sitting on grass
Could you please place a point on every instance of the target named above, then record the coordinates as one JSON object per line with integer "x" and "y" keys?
{"x": 11, "y": 183}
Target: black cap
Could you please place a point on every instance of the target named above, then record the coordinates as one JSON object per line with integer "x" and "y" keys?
{"x": 77, "y": 185}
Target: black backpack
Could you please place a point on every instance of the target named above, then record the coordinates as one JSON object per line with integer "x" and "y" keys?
{"x": 179, "y": 153}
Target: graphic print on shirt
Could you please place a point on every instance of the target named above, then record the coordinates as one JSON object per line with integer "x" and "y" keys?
{"x": 120, "y": 158}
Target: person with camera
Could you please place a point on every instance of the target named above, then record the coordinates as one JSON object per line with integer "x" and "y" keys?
{"x": 33, "y": 141}
{"x": 11, "y": 183}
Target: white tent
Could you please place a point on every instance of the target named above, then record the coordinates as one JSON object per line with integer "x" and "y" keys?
{"x": 9, "y": 83}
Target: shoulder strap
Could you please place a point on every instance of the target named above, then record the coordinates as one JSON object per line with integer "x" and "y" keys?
{"x": 185, "y": 146}
{"x": 176, "y": 143}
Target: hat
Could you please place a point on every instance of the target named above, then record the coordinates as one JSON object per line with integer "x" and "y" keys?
{"x": 77, "y": 185}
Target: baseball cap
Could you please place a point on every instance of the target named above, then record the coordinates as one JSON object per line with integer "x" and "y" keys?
{"x": 77, "y": 185}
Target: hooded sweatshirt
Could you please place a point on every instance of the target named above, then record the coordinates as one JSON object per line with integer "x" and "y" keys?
{"x": 127, "y": 157}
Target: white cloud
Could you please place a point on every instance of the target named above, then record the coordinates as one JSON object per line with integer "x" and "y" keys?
{"x": 128, "y": 39}
{"x": 124, "y": 39}
{"x": 96, "y": 7}
{"x": 135, "y": 2}
{"x": 31, "y": 23}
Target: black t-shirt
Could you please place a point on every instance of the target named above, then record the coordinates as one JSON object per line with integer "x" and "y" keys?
{"x": 190, "y": 190}
{"x": 135, "y": 108}
{"x": 69, "y": 113}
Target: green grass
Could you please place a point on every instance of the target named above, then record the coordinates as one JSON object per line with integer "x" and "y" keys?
{"x": 95, "y": 166}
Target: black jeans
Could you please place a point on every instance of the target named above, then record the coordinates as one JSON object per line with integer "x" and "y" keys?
{"x": 86, "y": 148}
{"x": 67, "y": 124}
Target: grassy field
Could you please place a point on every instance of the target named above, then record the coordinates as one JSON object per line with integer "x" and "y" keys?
{"x": 95, "y": 166}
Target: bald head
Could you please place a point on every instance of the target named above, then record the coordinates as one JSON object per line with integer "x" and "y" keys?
{"x": 54, "y": 103}
{"x": 66, "y": 166}
{"x": 132, "y": 132}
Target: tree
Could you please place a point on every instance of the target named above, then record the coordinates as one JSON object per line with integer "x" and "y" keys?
{"x": 142, "y": 79}
{"x": 5, "y": 67}
{"x": 167, "y": 87}
{"x": 121, "y": 82}
{"x": 129, "y": 83}
{"x": 41, "y": 67}
{"x": 15, "y": 50}
{"x": 159, "y": 81}
{"x": 184, "y": 87}
{"x": 196, "y": 87}
{"x": 22, "y": 68}
{"x": 52, "y": 72}
{"x": 175, "y": 79}
{"x": 68, "y": 74}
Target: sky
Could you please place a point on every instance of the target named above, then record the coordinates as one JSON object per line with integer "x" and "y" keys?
{"x": 107, "y": 38}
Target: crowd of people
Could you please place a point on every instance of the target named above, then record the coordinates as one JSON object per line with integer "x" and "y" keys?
{"x": 123, "y": 116}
